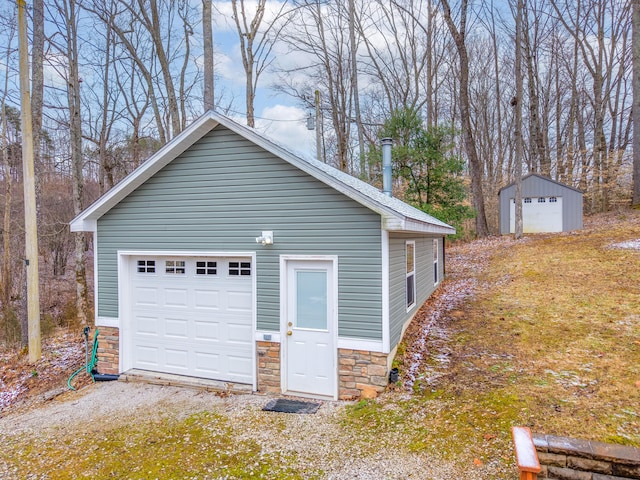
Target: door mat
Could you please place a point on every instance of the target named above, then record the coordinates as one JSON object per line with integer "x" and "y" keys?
{"x": 291, "y": 406}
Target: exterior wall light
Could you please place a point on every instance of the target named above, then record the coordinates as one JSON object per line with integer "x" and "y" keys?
{"x": 265, "y": 239}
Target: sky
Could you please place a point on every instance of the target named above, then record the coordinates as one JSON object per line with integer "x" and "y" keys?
{"x": 277, "y": 115}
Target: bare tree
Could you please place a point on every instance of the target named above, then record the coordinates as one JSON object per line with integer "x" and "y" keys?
{"x": 517, "y": 105}
{"x": 207, "y": 34}
{"x": 256, "y": 44}
{"x": 364, "y": 174}
{"x": 636, "y": 105}
{"x": 475, "y": 166}
{"x": 67, "y": 16}
{"x": 5, "y": 291}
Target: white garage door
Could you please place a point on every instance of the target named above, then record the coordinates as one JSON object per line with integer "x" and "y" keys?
{"x": 539, "y": 214}
{"x": 193, "y": 316}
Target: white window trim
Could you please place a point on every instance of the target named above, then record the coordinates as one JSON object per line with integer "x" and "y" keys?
{"x": 407, "y": 275}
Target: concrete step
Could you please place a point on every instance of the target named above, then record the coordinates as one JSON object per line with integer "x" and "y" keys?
{"x": 168, "y": 379}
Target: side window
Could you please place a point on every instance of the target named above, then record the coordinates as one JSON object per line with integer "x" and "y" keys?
{"x": 410, "y": 257}
{"x": 435, "y": 261}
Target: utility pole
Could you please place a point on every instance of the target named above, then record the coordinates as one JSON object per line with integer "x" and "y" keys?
{"x": 30, "y": 223}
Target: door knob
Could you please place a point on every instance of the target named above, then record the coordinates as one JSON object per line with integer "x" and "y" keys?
{"x": 289, "y": 332}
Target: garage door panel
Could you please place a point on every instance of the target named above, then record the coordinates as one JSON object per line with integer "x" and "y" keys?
{"x": 239, "y": 301}
{"x": 206, "y": 299}
{"x": 207, "y": 331}
{"x": 193, "y": 324}
{"x": 239, "y": 365}
{"x": 146, "y": 325}
{"x": 176, "y": 297}
{"x": 177, "y": 359}
{"x": 145, "y": 296}
{"x": 207, "y": 362}
{"x": 147, "y": 355}
{"x": 239, "y": 334}
{"x": 177, "y": 328}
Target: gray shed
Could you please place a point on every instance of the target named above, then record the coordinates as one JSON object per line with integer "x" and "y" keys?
{"x": 226, "y": 257}
{"x": 547, "y": 206}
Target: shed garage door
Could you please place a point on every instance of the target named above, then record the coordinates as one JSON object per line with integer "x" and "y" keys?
{"x": 193, "y": 316}
{"x": 539, "y": 214}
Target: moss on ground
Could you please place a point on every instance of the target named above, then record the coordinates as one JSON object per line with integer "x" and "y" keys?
{"x": 200, "y": 446}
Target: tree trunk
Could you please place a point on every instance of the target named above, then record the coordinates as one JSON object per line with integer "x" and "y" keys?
{"x": 5, "y": 291}
{"x": 207, "y": 33}
{"x": 364, "y": 174}
{"x": 636, "y": 104}
{"x": 75, "y": 133}
{"x": 155, "y": 29}
{"x": 475, "y": 166}
{"x": 517, "y": 104}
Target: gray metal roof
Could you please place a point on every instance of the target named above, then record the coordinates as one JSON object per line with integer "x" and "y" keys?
{"x": 542, "y": 177}
{"x": 396, "y": 214}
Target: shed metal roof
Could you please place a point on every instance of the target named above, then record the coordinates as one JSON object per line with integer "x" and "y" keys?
{"x": 396, "y": 214}
{"x": 542, "y": 177}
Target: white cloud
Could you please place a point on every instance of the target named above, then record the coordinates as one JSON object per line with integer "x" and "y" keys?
{"x": 287, "y": 125}
{"x": 223, "y": 14}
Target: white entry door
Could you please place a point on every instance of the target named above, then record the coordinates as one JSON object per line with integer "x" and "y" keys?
{"x": 310, "y": 328}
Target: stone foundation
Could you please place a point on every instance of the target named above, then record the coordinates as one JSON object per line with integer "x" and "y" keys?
{"x": 565, "y": 458}
{"x": 360, "y": 371}
{"x": 108, "y": 350}
{"x": 268, "y": 367}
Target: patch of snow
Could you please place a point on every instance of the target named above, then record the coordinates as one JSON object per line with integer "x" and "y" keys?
{"x": 7, "y": 397}
{"x": 628, "y": 245}
{"x": 452, "y": 298}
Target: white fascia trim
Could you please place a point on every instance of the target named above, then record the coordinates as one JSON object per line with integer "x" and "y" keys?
{"x": 84, "y": 225}
{"x": 186, "y": 253}
{"x": 113, "y": 322}
{"x": 386, "y": 320}
{"x": 359, "y": 344}
{"x": 275, "y": 336}
{"x": 86, "y": 220}
{"x": 393, "y": 224}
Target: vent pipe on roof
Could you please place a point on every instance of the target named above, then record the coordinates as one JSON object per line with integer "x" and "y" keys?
{"x": 386, "y": 166}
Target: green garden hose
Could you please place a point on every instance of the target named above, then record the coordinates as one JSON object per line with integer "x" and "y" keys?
{"x": 90, "y": 365}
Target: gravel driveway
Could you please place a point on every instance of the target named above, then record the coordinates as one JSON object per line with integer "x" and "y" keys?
{"x": 317, "y": 442}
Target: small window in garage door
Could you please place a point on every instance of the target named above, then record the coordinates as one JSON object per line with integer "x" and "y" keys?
{"x": 175, "y": 267}
{"x": 146, "y": 266}
{"x": 239, "y": 269}
{"x": 206, "y": 268}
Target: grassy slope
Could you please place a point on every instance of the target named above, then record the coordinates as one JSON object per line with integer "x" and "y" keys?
{"x": 551, "y": 340}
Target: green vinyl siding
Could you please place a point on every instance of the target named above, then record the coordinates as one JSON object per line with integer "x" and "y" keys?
{"x": 398, "y": 314}
{"x": 219, "y": 195}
